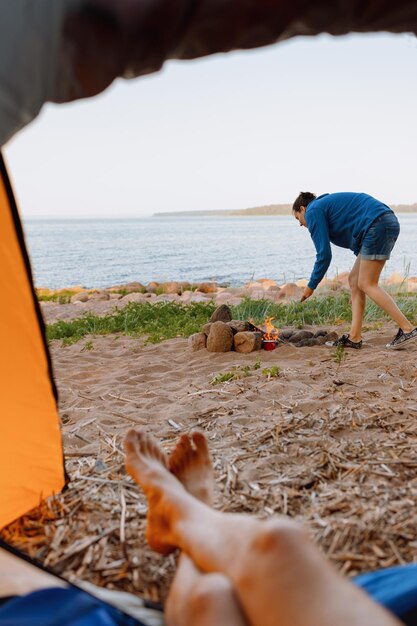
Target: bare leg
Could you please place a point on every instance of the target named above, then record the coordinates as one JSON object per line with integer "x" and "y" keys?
{"x": 279, "y": 577}
{"x": 369, "y": 273}
{"x": 198, "y": 599}
{"x": 358, "y": 303}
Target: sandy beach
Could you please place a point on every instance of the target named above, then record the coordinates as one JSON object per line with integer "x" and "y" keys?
{"x": 333, "y": 444}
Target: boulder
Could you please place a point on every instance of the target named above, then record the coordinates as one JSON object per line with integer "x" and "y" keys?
{"x": 184, "y": 286}
{"x": 129, "y": 287}
{"x": 300, "y": 335}
{"x": 267, "y": 283}
{"x": 167, "y": 297}
{"x": 395, "y": 279}
{"x": 206, "y": 328}
{"x": 303, "y": 282}
{"x": 333, "y": 336}
{"x": 290, "y": 290}
{"x": 220, "y": 338}
{"x": 99, "y": 294}
{"x": 135, "y": 297}
{"x": 320, "y": 333}
{"x": 221, "y": 314}
{"x": 115, "y": 296}
{"x": 186, "y": 295}
{"x": 197, "y": 341}
{"x": 207, "y": 287}
{"x": 81, "y": 296}
{"x": 152, "y": 287}
{"x": 171, "y": 288}
{"x": 199, "y": 297}
{"x": 311, "y": 341}
{"x": 239, "y": 326}
{"x": 286, "y": 333}
{"x": 245, "y": 342}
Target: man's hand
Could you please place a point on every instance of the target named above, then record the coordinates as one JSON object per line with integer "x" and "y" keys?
{"x": 306, "y": 294}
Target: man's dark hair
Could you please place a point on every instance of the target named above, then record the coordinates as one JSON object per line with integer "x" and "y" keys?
{"x": 303, "y": 199}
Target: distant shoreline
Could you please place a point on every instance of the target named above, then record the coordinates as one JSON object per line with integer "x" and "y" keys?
{"x": 262, "y": 211}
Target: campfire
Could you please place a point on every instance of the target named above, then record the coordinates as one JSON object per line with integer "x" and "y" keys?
{"x": 270, "y": 336}
{"x": 222, "y": 334}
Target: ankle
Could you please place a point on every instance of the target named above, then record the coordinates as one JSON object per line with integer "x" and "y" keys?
{"x": 356, "y": 338}
{"x": 407, "y": 329}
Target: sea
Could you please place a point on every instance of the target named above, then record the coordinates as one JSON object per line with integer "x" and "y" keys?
{"x": 230, "y": 250}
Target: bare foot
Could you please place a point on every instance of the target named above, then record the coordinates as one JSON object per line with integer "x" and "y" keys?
{"x": 147, "y": 464}
{"x": 190, "y": 462}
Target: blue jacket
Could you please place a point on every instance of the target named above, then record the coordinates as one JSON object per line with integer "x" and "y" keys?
{"x": 342, "y": 219}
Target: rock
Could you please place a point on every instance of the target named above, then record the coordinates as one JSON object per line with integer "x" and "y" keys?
{"x": 129, "y": 287}
{"x": 152, "y": 287}
{"x": 247, "y": 341}
{"x": 221, "y": 314}
{"x": 333, "y": 336}
{"x": 171, "y": 288}
{"x": 136, "y": 297}
{"x": 99, "y": 294}
{"x": 320, "y": 333}
{"x": 220, "y": 338}
{"x": 300, "y": 335}
{"x": 267, "y": 283}
{"x": 274, "y": 288}
{"x": 311, "y": 341}
{"x": 197, "y": 341}
{"x": 81, "y": 296}
{"x": 184, "y": 286}
{"x": 239, "y": 326}
{"x": 395, "y": 279}
{"x": 206, "y": 328}
{"x": 207, "y": 287}
{"x": 115, "y": 296}
{"x": 286, "y": 333}
{"x": 253, "y": 286}
{"x": 411, "y": 285}
{"x": 303, "y": 282}
{"x": 290, "y": 290}
{"x": 199, "y": 297}
{"x": 168, "y": 297}
{"x": 186, "y": 295}
{"x": 321, "y": 340}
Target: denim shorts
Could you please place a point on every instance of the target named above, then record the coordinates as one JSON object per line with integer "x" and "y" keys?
{"x": 380, "y": 238}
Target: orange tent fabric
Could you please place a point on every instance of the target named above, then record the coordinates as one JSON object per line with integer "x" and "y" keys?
{"x": 31, "y": 456}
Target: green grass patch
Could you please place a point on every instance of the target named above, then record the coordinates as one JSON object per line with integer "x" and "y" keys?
{"x": 321, "y": 310}
{"x": 271, "y": 372}
{"x": 62, "y": 297}
{"x": 163, "y": 320}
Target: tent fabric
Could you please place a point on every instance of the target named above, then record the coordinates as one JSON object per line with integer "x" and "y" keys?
{"x": 31, "y": 455}
{"x": 71, "y": 49}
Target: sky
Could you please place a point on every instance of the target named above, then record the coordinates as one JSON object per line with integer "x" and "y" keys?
{"x": 230, "y": 131}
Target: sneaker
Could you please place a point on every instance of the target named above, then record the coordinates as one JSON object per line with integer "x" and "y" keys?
{"x": 401, "y": 339}
{"x": 345, "y": 342}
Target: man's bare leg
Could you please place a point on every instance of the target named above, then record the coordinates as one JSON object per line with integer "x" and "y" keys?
{"x": 198, "y": 599}
{"x": 279, "y": 577}
{"x": 358, "y": 303}
{"x": 369, "y": 274}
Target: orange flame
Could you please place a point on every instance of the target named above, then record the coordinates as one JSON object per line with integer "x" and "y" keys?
{"x": 270, "y": 331}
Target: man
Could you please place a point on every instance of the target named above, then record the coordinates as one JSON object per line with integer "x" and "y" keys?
{"x": 370, "y": 229}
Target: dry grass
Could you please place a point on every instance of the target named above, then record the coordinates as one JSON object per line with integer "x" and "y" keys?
{"x": 348, "y": 474}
